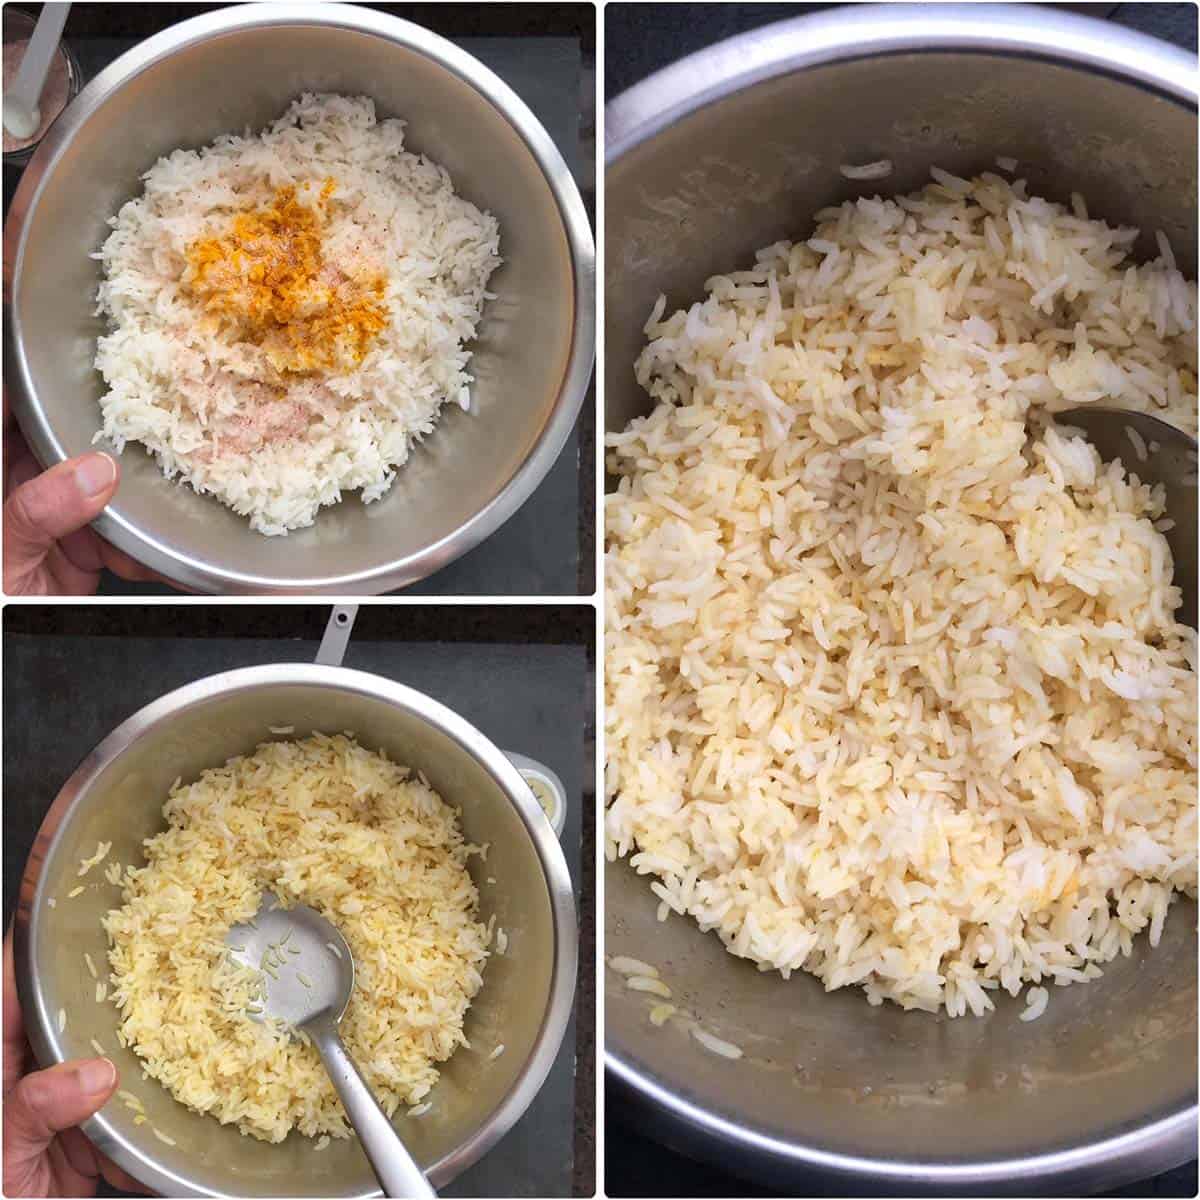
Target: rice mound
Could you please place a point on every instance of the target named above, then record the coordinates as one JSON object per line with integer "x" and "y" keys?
{"x": 321, "y": 822}
{"x": 895, "y": 694}
{"x": 213, "y": 405}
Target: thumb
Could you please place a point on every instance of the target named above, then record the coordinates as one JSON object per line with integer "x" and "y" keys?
{"x": 46, "y": 1102}
{"x": 54, "y": 504}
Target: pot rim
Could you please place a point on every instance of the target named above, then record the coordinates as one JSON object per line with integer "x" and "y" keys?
{"x": 212, "y": 576}
{"x": 731, "y": 66}
{"x": 1159, "y": 1146}
{"x": 142, "y": 1161}
{"x": 871, "y": 31}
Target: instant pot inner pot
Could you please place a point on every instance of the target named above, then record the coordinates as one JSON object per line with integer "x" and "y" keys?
{"x": 246, "y": 79}
{"x": 700, "y": 197}
{"x": 828, "y": 1070}
{"x": 125, "y": 805}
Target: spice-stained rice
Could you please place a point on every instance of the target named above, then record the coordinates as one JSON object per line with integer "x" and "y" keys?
{"x": 363, "y": 842}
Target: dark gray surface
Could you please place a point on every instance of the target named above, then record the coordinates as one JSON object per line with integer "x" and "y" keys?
{"x": 63, "y": 694}
{"x": 537, "y": 551}
{"x": 641, "y": 39}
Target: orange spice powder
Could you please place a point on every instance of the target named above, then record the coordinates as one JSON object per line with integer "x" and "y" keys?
{"x": 268, "y": 278}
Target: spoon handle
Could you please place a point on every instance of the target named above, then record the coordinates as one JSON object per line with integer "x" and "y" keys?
{"x": 395, "y": 1168}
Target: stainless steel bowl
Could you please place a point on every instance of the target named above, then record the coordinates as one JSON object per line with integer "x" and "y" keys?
{"x": 238, "y": 68}
{"x": 722, "y": 153}
{"x": 117, "y": 795}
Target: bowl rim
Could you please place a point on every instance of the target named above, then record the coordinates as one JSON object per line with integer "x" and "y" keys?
{"x": 207, "y": 574}
{"x": 143, "y": 1161}
{"x": 632, "y": 119}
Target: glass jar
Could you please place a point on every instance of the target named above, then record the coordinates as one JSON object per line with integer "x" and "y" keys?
{"x": 18, "y": 26}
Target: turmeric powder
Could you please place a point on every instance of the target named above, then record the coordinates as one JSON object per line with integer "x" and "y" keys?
{"x": 268, "y": 278}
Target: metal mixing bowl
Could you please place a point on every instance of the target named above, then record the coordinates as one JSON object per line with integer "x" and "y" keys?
{"x": 728, "y": 151}
{"x": 239, "y": 68}
{"x": 117, "y": 795}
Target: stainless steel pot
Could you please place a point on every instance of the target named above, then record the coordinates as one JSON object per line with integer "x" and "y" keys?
{"x": 238, "y": 68}
{"x": 730, "y": 150}
{"x": 117, "y": 795}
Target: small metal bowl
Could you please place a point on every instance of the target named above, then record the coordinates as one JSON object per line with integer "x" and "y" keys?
{"x": 239, "y": 68}
{"x": 117, "y": 795}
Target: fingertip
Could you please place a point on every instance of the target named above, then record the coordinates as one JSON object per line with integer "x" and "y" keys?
{"x": 96, "y": 475}
{"x": 96, "y": 1077}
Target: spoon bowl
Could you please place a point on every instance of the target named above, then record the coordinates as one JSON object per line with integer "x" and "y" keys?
{"x": 307, "y": 974}
{"x": 1170, "y": 460}
{"x": 307, "y": 964}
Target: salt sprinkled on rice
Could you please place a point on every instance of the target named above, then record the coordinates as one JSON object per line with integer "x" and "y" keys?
{"x": 894, "y": 689}
{"x": 403, "y": 266}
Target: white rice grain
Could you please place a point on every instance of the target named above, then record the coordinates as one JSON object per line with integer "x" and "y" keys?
{"x": 879, "y": 169}
{"x": 717, "y": 1045}
{"x": 642, "y": 983}
{"x": 1036, "y": 999}
{"x": 625, "y": 965}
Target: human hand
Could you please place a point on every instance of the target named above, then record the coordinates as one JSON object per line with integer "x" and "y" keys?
{"x": 44, "y": 1153}
{"x": 49, "y": 548}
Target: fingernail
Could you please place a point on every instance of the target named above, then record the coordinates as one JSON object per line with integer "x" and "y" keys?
{"x": 94, "y": 474}
{"x": 95, "y": 1076}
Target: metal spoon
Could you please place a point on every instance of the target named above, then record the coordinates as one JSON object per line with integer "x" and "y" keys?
{"x": 309, "y": 983}
{"x": 1172, "y": 463}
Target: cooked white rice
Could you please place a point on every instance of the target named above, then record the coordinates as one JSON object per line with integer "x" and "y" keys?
{"x": 872, "y": 170}
{"x": 894, "y": 690}
{"x": 646, "y": 983}
{"x": 717, "y": 1045}
{"x": 322, "y": 822}
{"x": 220, "y": 406}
